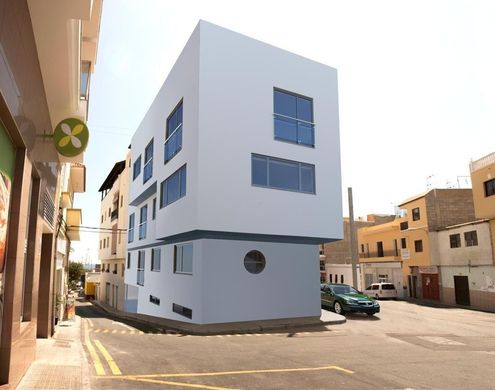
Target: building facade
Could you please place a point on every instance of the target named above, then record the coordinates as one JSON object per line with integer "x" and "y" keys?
{"x": 113, "y": 235}
{"x": 233, "y": 167}
{"x": 47, "y": 53}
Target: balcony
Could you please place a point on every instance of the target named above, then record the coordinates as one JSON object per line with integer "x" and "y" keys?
{"x": 74, "y": 220}
{"x": 482, "y": 162}
{"x": 386, "y": 253}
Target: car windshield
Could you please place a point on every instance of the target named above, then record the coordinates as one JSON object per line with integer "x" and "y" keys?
{"x": 344, "y": 289}
{"x": 388, "y": 286}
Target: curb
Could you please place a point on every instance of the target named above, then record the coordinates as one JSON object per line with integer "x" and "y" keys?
{"x": 256, "y": 327}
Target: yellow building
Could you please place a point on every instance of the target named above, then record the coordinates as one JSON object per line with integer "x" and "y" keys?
{"x": 483, "y": 182}
{"x": 404, "y": 251}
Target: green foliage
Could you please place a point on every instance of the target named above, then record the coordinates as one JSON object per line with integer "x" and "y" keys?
{"x": 76, "y": 270}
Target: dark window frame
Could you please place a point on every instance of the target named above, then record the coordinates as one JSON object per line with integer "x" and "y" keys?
{"x": 140, "y": 267}
{"x": 418, "y": 246}
{"x": 136, "y": 167}
{"x": 163, "y": 186}
{"x": 156, "y": 259}
{"x": 416, "y": 215}
{"x": 148, "y": 162}
{"x": 455, "y": 240}
{"x": 489, "y": 187}
{"x": 142, "y": 228}
{"x": 179, "y": 268}
{"x": 471, "y": 238}
{"x": 130, "y": 232}
{"x": 175, "y": 134}
{"x": 294, "y": 120}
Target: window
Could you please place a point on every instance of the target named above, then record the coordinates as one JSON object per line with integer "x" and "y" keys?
{"x": 396, "y": 248}
{"x": 404, "y": 225}
{"x": 471, "y": 238}
{"x": 173, "y": 136}
{"x": 153, "y": 212}
{"x": 173, "y": 188}
{"x": 455, "y": 240}
{"x": 130, "y": 234}
{"x": 123, "y": 270}
{"x": 403, "y": 243}
{"x": 115, "y": 269}
{"x": 140, "y": 268}
{"x": 183, "y": 259}
{"x": 379, "y": 249}
{"x": 148, "y": 162}
{"x": 418, "y": 245}
{"x": 155, "y": 300}
{"x": 128, "y": 260}
{"x": 155, "y": 259}
{"x": 362, "y": 248}
{"x": 330, "y": 278}
{"x": 183, "y": 311}
{"x": 100, "y": 244}
{"x": 121, "y": 200}
{"x": 143, "y": 218}
{"x": 102, "y": 218}
{"x": 293, "y": 118}
{"x": 282, "y": 174}
{"x": 342, "y": 279}
{"x": 136, "y": 168}
{"x": 415, "y": 214}
{"x": 490, "y": 187}
{"x": 85, "y": 76}
{"x": 254, "y": 262}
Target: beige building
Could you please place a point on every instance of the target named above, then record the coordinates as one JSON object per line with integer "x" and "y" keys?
{"x": 113, "y": 236}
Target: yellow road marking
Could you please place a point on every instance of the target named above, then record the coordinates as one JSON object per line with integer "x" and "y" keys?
{"x": 177, "y": 384}
{"x": 123, "y": 331}
{"x": 97, "y": 331}
{"x": 244, "y": 372}
{"x": 96, "y": 359}
{"x": 114, "y": 331}
{"x": 105, "y": 331}
{"x": 141, "y": 332}
{"x": 111, "y": 363}
{"x": 90, "y": 322}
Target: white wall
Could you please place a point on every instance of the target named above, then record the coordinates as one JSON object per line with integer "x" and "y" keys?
{"x": 480, "y": 278}
{"x": 476, "y": 255}
{"x": 346, "y": 271}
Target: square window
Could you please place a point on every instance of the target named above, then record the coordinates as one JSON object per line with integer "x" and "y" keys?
{"x": 489, "y": 187}
{"x": 418, "y": 245}
{"x": 455, "y": 240}
{"x": 471, "y": 238}
{"x": 173, "y": 188}
{"x": 183, "y": 258}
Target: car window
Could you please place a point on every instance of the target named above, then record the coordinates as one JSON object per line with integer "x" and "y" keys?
{"x": 388, "y": 286}
{"x": 368, "y": 288}
{"x": 344, "y": 289}
{"x": 374, "y": 287}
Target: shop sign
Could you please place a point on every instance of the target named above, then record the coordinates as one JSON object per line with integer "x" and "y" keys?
{"x": 432, "y": 269}
{"x": 71, "y": 137}
{"x": 405, "y": 254}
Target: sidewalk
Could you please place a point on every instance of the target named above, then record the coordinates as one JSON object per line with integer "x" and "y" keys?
{"x": 60, "y": 361}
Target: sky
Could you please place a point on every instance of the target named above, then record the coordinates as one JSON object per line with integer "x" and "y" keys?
{"x": 416, "y": 85}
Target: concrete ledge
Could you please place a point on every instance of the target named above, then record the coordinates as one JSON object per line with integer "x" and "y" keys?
{"x": 286, "y": 324}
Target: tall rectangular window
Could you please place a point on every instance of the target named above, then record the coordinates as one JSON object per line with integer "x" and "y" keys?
{"x": 143, "y": 218}
{"x": 153, "y": 213}
{"x": 418, "y": 245}
{"x": 173, "y": 188}
{"x": 137, "y": 168}
{"x": 155, "y": 259}
{"x": 128, "y": 260}
{"x": 403, "y": 243}
{"x": 415, "y": 214}
{"x": 183, "y": 258}
{"x": 489, "y": 187}
{"x": 148, "y": 162}
{"x": 140, "y": 268}
{"x": 379, "y": 249}
{"x": 282, "y": 174}
{"x": 85, "y": 76}
{"x": 471, "y": 238}
{"x": 173, "y": 136}
{"x": 293, "y": 118}
{"x": 455, "y": 240}
{"x": 130, "y": 233}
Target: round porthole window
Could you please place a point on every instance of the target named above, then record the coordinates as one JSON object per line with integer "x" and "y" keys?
{"x": 254, "y": 262}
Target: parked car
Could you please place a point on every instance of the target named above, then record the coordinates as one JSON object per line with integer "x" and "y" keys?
{"x": 381, "y": 290}
{"x": 343, "y": 298}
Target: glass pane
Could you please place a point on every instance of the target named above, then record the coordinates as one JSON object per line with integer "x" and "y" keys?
{"x": 182, "y": 181}
{"x": 187, "y": 258}
{"x": 284, "y": 104}
{"x": 307, "y": 179}
{"x": 170, "y": 148}
{"x": 179, "y": 115}
{"x": 286, "y": 129}
{"x": 284, "y": 175}
{"x": 144, "y": 213}
{"x": 305, "y": 134}
{"x": 148, "y": 153}
{"x": 304, "y": 109}
{"x": 258, "y": 171}
{"x": 178, "y": 140}
{"x": 172, "y": 188}
{"x": 172, "y": 124}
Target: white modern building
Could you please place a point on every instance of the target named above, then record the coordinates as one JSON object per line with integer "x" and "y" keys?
{"x": 235, "y": 182}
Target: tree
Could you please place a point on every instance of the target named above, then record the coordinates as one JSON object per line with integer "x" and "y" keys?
{"x": 76, "y": 270}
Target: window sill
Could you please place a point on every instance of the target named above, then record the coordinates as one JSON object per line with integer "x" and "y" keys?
{"x": 293, "y": 142}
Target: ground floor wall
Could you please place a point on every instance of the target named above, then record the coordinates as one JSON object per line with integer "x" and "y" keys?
{"x": 342, "y": 273}
{"x": 110, "y": 290}
{"x": 469, "y": 286}
{"x": 391, "y": 272}
{"x": 220, "y": 288}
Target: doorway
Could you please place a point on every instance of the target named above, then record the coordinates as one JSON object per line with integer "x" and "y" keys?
{"x": 461, "y": 285}
{"x": 430, "y": 286}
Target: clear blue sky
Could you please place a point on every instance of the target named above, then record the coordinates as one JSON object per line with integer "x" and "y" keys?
{"x": 416, "y": 84}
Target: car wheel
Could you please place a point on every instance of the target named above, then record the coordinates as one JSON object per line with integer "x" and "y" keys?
{"x": 376, "y": 296}
{"x": 337, "y": 308}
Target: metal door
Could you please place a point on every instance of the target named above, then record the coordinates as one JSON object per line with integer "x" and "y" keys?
{"x": 461, "y": 285}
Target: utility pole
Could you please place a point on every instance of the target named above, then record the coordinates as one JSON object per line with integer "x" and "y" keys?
{"x": 354, "y": 252}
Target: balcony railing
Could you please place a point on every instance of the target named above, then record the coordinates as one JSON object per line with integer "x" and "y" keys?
{"x": 386, "y": 253}
{"x": 482, "y": 162}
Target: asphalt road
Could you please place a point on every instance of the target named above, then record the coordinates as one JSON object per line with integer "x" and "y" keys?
{"x": 406, "y": 346}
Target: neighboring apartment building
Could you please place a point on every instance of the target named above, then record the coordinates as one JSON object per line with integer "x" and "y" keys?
{"x": 113, "y": 235}
{"x": 235, "y": 182}
{"x": 335, "y": 255}
{"x": 404, "y": 251}
{"x": 47, "y": 53}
